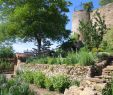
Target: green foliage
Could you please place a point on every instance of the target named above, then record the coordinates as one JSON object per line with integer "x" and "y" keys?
{"x": 104, "y": 2}
{"x": 13, "y": 87}
{"x": 72, "y": 58}
{"x": 74, "y": 37}
{"x": 5, "y": 65}
{"x": 86, "y": 58}
{"x": 58, "y": 82}
{"x": 103, "y": 55}
{"x": 2, "y": 79}
{"x": 39, "y": 79}
{"x": 107, "y": 43}
{"x": 35, "y": 20}
{"x": 88, "y": 6}
{"x": 28, "y": 76}
{"x": 108, "y": 90}
{"x": 93, "y": 32}
{"x": 6, "y": 52}
{"x": 49, "y": 83}
{"x": 61, "y": 82}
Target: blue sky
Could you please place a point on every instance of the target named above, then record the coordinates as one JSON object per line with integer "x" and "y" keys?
{"x": 20, "y": 47}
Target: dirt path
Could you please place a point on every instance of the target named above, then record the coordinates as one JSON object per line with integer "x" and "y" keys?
{"x": 40, "y": 91}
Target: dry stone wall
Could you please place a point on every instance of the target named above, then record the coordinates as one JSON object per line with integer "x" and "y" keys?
{"x": 74, "y": 72}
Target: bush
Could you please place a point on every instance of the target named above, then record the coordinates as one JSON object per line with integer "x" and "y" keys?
{"x": 107, "y": 43}
{"x": 108, "y": 90}
{"x": 49, "y": 83}
{"x": 86, "y": 58}
{"x": 72, "y": 58}
{"x": 2, "y": 79}
{"x": 14, "y": 87}
{"x": 28, "y": 76}
{"x": 61, "y": 83}
{"x": 103, "y": 55}
{"x": 6, "y": 52}
{"x": 5, "y": 65}
{"x": 39, "y": 79}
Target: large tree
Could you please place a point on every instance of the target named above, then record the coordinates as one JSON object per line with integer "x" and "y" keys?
{"x": 35, "y": 20}
{"x": 104, "y": 2}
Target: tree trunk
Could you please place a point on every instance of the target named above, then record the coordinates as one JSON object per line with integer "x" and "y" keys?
{"x": 39, "y": 44}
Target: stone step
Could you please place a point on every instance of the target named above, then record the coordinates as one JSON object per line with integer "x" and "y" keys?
{"x": 99, "y": 86}
{"x": 97, "y": 80}
{"x": 105, "y": 74}
{"x": 104, "y": 77}
{"x": 108, "y": 68}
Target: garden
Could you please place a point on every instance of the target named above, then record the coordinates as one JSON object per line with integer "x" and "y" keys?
{"x": 44, "y": 25}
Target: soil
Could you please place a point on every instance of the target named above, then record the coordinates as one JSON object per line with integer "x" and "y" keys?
{"x": 41, "y": 91}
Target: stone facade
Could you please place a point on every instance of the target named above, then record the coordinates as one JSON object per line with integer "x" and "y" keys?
{"x": 76, "y": 18}
{"x": 74, "y": 72}
{"x": 106, "y": 11}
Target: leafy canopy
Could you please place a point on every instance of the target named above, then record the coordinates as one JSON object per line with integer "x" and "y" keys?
{"x": 34, "y": 20}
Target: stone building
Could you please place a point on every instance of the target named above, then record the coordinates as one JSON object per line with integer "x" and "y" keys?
{"x": 106, "y": 11}
{"x": 77, "y": 17}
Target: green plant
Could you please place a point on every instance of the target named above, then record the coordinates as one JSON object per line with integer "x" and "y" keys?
{"x": 39, "y": 79}
{"x": 2, "y": 79}
{"x": 49, "y": 83}
{"x": 61, "y": 82}
{"x": 4, "y": 65}
{"x": 14, "y": 87}
{"x": 28, "y": 76}
{"x": 108, "y": 90}
{"x": 107, "y": 43}
{"x": 72, "y": 58}
{"x": 86, "y": 58}
{"x": 93, "y": 32}
{"x": 6, "y": 52}
{"x": 103, "y": 55}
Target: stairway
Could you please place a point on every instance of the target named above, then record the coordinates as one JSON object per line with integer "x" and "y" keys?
{"x": 99, "y": 82}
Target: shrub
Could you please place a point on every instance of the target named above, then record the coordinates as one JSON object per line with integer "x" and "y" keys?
{"x": 107, "y": 43}
{"x": 103, "y": 55}
{"x": 39, "y": 79}
{"x": 108, "y": 90}
{"x": 51, "y": 60}
{"x": 86, "y": 58}
{"x": 6, "y": 52}
{"x": 14, "y": 87}
{"x": 49, "y": 83}
{"x": 2, "y": 79}
{"x": 28, "y": 76}
{"x": 72, "y": 58}
{"x": 5, "y": 65}
{"x": 61, "y": 83}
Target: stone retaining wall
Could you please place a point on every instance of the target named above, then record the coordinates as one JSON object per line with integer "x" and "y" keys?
{"x": 74, "y": 72}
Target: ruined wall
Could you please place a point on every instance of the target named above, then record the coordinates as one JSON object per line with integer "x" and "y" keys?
{"x": 107, "y": 12}
{"x": 78, "y": 16}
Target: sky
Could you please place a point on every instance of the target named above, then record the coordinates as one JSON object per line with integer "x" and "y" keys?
{"x": 76, "y": 5}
